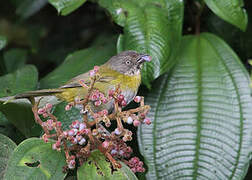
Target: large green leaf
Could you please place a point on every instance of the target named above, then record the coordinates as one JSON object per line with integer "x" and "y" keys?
{"x": 19, "y": 113}
{"x": 35, "y": 159}
{"x": 201, "y": 114}
{"x": 65, "y": 7}
{"x": 152, "y": 27}
{"x": 97, "y": 168}
{"x": 6, "y": 148}
{"x": 77, "y": 63}
{"x": 231, "y": 11}
{"x": 23, "y": 79}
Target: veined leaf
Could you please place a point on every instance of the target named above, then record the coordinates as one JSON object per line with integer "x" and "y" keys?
{"x": 201, "y": 114}
{"x": 97, "y": 168}
{"x": 152, "y": 27}
{"x": 65, "y": 7}
{"x": 35, "y": 159}
{"x": 231, "y": 11}
{"x": 6, "y": 148}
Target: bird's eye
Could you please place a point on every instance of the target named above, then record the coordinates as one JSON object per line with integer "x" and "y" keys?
{"x": 128, "y": 62}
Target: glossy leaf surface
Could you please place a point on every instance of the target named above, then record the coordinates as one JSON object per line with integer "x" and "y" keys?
{"x": 201, "y": 115}
{"x": 152, "y": 27}
{"x": 65, "y": 7}
{"x": 35, "y": 159}
{"x": 231, "y": 11}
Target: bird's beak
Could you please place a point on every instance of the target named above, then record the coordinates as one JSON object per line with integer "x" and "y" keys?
{"x": 144, "y": 58}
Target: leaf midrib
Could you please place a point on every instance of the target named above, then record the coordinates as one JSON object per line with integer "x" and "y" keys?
{"x": 199, "y": 108}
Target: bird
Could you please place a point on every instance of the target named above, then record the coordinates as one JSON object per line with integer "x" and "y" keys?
{"x": 123, "y": 70}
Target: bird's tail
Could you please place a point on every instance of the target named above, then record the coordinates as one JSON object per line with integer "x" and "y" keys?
{"x": 43, "y": 92}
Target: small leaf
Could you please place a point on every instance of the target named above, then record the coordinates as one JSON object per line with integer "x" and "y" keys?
{"x": 77, "y": 63}
{"x": 65, "y": 7}
{"x": 27, "y": 8}
{"x": 19, "y": 113}
{"x": 14, "y": 59}
{"x": 230, "y": 11}
{"x": 35, "y": 159}
{"x": 3, "y": 42}
{"x": 96, "y": 167}
{"x": 23, "y": 79}
{"x": 6, "y": 148}
{"x": 201, "y": 115}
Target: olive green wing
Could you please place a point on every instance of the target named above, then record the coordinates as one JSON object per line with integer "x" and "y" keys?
{"x": 75, "y": 82}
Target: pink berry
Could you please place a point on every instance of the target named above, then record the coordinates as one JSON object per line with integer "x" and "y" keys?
{"x": 111, "y": 92}
{"x": 105, "y": 112}
{"x": 101, "y": 95}
{"x": 136, "y": 123}
{"x": 96, "y": 68}
{"x": 48, "y": 106}
{"x": 147, "y": 121}
{"x": 133, "y": 170}
{"x": 75, "y": 124}
{"x": 65, "y": 133}
{"x": 105, "y": 144}
{"x": 71, "y": 164}
{"x": 121, "y": 97}
{"x": 94, "y": 97}
{"x": 113, "y": 152}
{"x": 41, "y": 111}
{"x": 58, "y": 124}
{"x": 82, "y": 141}
{"x": 74, "y": 141}
{"x": 92, "y": 73}
{"x": 72, "y": 132}
{"x": 104, "y": 100}
{"x": 124, "y": 103}
{"x": 82, "y": 126}
{"x": 137, "y": 99}
{"x": 68, "y": 107}
{"x": 117, "y": 131}
{"x": 97, "y": 103}
{"x": 45, "y": 115}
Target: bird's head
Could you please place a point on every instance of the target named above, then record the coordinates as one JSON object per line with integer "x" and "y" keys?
{"x": 128, "y": 62}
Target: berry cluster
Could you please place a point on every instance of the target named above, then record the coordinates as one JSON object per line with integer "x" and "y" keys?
{"x": 135, "y": 165}
{"x": 94, "y": 131}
